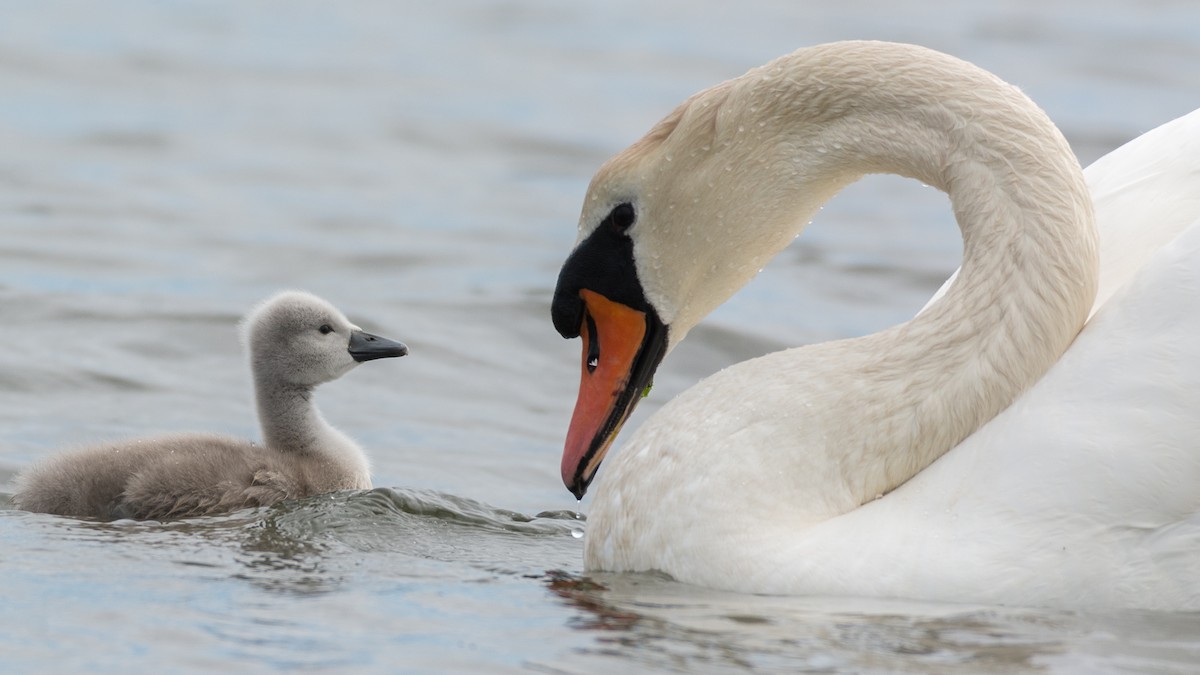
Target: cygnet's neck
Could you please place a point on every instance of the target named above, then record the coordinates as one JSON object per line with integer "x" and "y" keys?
{"x": 292, "y": 425}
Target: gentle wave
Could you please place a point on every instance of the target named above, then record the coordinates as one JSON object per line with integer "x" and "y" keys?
{"x": 383, "y": 505}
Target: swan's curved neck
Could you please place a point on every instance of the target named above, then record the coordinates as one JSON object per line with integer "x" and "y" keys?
{"x": 797, "y": 131}
{"x": 1027, "y": 283}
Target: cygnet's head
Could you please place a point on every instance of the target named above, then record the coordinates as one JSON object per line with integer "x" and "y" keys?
{"x": 299, "y": 339}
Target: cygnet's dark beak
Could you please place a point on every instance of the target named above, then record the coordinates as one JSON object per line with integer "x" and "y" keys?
{"x": 367, "y": 347}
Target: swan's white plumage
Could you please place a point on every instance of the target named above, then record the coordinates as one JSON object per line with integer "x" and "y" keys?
{"x": 1084, "y": 492}
{"x": 1144, "y": 194}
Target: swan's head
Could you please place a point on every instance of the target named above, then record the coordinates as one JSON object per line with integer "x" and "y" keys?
{"x": 670, "y": 229}
{"x": 298, "y": 339}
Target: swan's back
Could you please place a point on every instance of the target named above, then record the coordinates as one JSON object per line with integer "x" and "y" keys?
{"x": 1145, "y": 195}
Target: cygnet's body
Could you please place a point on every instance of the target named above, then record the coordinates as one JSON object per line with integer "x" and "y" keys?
{"x": 296, "y": 342}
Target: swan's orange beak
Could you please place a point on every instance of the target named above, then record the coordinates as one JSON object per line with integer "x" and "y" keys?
{"x": 613, "y": 335}
{"x": 600, "y": 299}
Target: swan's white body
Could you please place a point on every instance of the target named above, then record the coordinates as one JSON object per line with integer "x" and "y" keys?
{"x": 808, "y": 471}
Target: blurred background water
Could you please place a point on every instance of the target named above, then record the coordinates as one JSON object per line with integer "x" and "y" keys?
{"x": 164, "y": 165}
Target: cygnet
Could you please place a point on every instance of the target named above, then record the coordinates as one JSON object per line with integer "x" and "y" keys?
{"x": 296, "y": 342}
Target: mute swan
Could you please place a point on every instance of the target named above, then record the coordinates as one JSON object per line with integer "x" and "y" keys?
{"x": 296, "y": 342}
{"x": 980, "y": 452}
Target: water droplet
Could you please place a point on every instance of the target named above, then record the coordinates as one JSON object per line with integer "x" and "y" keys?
{"x": 577, "y": 532}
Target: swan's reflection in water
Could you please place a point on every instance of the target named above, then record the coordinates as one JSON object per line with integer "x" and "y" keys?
{"x": 658, "y": 623}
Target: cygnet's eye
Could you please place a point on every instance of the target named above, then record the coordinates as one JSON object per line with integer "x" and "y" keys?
{"x": 325, "y": 329}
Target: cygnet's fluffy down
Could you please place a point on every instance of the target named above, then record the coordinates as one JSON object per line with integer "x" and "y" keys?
{"x": 296, "y": 342}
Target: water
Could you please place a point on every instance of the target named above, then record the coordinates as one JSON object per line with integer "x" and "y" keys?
{"x": 168, "y": 164}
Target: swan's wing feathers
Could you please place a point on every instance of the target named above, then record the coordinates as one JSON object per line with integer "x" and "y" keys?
{"x": 1146, "y": 194}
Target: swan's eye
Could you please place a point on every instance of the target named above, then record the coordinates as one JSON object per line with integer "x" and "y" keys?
{"x": 593, "y": 355}
{"x": 325, "y": 329}
{"x": 621, "y": 217}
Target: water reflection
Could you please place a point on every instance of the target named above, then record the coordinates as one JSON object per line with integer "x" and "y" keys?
{"x": 658, "y": 623}
{"x": 276, "y": 560}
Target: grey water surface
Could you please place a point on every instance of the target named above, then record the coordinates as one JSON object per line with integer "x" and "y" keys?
{"x": 165, "y": 165}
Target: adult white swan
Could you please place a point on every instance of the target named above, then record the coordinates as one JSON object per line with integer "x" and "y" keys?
{"x": 980, "y": 451}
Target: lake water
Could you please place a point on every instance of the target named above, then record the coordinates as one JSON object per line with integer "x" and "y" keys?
{"x": 165, "y": 165}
